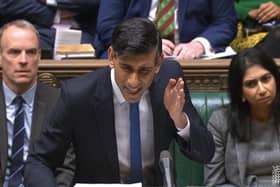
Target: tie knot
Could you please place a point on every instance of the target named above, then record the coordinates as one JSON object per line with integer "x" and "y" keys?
{"x": 18, "y": 101}
{"x": 134, "y": 105}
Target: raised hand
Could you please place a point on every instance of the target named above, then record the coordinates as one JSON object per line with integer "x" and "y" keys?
{"x": 174, "y": 101}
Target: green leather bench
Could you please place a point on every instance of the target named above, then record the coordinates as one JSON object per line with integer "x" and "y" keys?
{"x": 188, "y": 172}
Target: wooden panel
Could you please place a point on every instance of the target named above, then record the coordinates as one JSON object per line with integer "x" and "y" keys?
{"x": 208, "y": 75}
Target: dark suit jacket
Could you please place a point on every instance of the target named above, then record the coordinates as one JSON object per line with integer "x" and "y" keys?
{"x": 42, "y": 16}
{"x": 85, "y": 115}
{"x": 214, "y": 20}
{"x": 45, "y": 98}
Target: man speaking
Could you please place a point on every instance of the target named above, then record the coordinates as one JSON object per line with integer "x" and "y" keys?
{"x": 121, "y": 117}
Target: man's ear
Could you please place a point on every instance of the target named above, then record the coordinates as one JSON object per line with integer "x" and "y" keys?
{"x": 111, "y": 57}
{"x": 159, "y": 61}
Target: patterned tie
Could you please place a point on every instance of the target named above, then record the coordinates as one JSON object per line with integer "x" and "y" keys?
{"x": 135, "y": 145}
{"x": 165, "y": 18}
{"x": 16, "y": 168}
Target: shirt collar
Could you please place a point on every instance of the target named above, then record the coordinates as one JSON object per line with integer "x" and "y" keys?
{"x": 28, "y": 96}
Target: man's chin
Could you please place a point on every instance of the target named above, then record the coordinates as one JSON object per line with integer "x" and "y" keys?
{"x": 23, "y": 81}
{"x": 133, "y": 99}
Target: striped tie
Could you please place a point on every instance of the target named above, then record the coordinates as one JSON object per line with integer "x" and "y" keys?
{"x": 165, "y": 18}
{"x": 16, "y": 168}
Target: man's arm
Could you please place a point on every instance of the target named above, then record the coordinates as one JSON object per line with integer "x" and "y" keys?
{"x": 34, "y": 11}
{"x": 111, "y": 13}
{"x": 223, "y": 26}
{"x": 49, "y": 151}
{"x": 65, "y": 173}
{"x": 199, "y": 145}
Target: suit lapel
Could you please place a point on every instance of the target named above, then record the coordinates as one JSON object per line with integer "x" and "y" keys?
{"x": 103, "y": 107}
{"x": 242, "y": 158}
{"x": 3, "y": 133}
{"x": 156, "y": 100}
{"x": 38, "y": 113}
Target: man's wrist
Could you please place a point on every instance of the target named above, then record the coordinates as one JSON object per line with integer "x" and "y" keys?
{"x": 181, "y": 121}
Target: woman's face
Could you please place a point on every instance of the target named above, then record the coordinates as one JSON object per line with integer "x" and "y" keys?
{"x": 259, "y": 87}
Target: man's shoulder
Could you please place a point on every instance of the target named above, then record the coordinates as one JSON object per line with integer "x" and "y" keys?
{"x": 90, "y": 77}
{"x": 170, "y": 68}
{"x": 47, "y": 92}
{"x": 46, "y": 88}
{"x": 90, "y": 83}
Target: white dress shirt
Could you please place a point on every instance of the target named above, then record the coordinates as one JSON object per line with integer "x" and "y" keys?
{"x": 28, "y": 97}
{"x": 122, "y": 125}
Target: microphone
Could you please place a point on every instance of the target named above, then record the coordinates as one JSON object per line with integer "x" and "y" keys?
{"x": 166, "y": 166}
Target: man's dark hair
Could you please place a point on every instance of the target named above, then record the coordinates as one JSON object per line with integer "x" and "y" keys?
{"x": 239, "y": 119}
{"x": 136, "y": 36}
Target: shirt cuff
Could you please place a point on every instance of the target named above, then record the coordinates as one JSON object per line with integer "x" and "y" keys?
{"x": 51, "y": 2}
{"x": 208, "y": 51}
{"x": 185, "y": 132}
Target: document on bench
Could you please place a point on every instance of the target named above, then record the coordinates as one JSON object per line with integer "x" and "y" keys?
{"x": 66, "y": 36}
{"x": 108, "y": 185}
{"x": 227, "y": 53}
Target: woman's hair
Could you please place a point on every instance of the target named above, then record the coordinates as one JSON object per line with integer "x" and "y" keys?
{"x": 239, "y": 113}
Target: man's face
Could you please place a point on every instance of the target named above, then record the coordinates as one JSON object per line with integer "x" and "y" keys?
{"x": 134, "y": 74}
{"x": 19, "y": 55}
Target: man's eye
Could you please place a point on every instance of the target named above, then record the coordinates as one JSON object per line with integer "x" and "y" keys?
{"x": 126, "y": 69}
{"x": 14, "y": 51}
{"x": 145, "y": 71}
{"x": 31, "y": 51}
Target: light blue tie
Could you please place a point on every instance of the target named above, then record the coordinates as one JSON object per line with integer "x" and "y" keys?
{"x": 135, "y": 145}
{"x": 16, "y": 168}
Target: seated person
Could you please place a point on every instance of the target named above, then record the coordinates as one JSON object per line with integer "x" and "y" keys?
{"x": 43, "y": 15}
{"x": 196, "y": 28}
{"x": 257, "y": 18}
{"x": 25, "y": 102}
{"x": 246, "y": 132}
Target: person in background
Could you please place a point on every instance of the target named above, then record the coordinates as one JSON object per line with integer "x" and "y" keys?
{"x": 120, "y": 118}
{"x": 24, "y": 103}
{"x": 79, "y": 15}
{"x": 246, "y": 132}
{"x": 258, "y": 25}
{"x": 193, "y": 29}
{"x": 46, "y": 14}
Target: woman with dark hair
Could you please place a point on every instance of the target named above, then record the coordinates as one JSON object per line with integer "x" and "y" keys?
{"x": 246, "y": 132}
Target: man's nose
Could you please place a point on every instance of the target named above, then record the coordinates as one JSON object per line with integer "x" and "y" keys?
{"x": 23, "y": 57}
{"x": 133, "y": 80}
